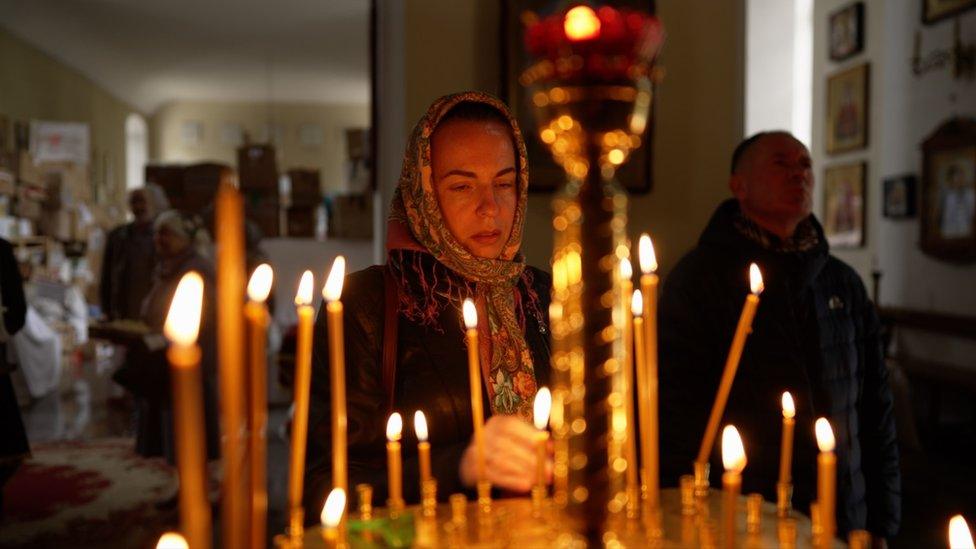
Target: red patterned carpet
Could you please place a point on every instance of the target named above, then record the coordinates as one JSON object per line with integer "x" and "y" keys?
{"x": 87, "y": 494}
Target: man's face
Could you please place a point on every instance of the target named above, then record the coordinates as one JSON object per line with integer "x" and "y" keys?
{"x": 775, "y": 180}
{"x": 474, "y": 175}
{"x": 139, "y": 206}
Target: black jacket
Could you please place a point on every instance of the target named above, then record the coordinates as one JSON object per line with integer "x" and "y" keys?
{"x": 816, "y": 335}
{"x": 431, "y": 375}
{"x": 13, "y": 436}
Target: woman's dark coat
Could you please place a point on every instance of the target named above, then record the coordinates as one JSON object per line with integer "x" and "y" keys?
{"x": 431, "y": 375}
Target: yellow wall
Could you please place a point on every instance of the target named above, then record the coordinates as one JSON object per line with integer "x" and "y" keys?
{"x": 34, "y": 85}
{"x": 168, "y": 146}
{"x": 453, "y": 46}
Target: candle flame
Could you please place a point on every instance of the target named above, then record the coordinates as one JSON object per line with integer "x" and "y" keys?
{"x": 334, "y": 506}
{"x": 581, "y": 23}
{"x": 420, "y": 425}
{"x": 542, "y": 407}
{"x": 825, "y": 435}
{"x": 183, "y": 320}
{"x": 959, "y": 535}
{"x": 332, "y": 290}
{"x": 733, "y": 454}
{"x": 304, "y": 294}
{"x": 755, "y": 279}
{"x": 789, "y": 409}
{"x": 394, "y": 426}
{"x": 646, "y": 255}
{"x": 637, "y": 304}
{"x": 626, "y": 270}
{"x": 259, "y": 286}
{"x": 172, "y": 540}
{"x": 470, "y": 315}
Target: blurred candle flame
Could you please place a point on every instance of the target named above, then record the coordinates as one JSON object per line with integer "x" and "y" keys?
{"x": 304, "y": 294}
{"x": 789, "y": 409}
{"x": 542, "y": 407}
{"x": 332, "y": 290}
{"x": 470, "y": 315}
{"x": 259, "y": 286}
{"x": 733, "y": 453}
{"x": 825, "y": 435}
{"x": 183, "y": 320}
{"x": 420, "y": 425}
{"x": 334, "y": 506}
{"x": 394, "y": 427}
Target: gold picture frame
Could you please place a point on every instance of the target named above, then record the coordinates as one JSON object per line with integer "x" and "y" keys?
{"x": 844, "y": 205}
{"x": 936, "y": 10}
{"x": 848, "y": 110}
{"x": 948, "y": 193}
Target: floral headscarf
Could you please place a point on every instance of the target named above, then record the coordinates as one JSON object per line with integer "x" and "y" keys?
{"x": 416, "y": 223}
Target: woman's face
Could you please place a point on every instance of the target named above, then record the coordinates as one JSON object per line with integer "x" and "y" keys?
{"x": 473, "y": 166}
{"x": 168, "y": 243}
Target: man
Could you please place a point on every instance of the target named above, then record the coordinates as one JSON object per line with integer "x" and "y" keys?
{"x": 815, "y": 334}
{"x": 129, "y": 258}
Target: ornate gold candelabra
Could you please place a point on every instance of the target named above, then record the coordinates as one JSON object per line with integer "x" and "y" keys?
{"x": 591, "y": 94}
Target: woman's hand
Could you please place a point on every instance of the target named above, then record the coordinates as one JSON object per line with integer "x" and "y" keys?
{"x": 510, "y": 458}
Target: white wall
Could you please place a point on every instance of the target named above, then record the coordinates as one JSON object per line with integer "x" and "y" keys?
{"x": 904, "y": 110}
{"x": 328, "y": 156}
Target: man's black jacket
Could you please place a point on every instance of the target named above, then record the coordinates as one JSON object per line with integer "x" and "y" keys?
{"x": 816, "y": 335}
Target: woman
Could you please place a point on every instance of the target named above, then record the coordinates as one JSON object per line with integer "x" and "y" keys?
{"x": 182, "y": 245}
{"x": 454, "y": 232}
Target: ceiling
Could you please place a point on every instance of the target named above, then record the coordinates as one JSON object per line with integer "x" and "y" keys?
{"x": 150, "y": 52}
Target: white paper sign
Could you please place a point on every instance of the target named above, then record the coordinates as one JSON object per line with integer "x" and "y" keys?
{"x": 59, "y": 141}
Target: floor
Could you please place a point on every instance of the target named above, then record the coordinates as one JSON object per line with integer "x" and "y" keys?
{"x": 936, "y": 485}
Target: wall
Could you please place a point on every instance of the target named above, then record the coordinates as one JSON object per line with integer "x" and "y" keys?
{"x": 453, "y": 46}
{"x": 905, "y": 109}
{"x": 34, "y": 85}
{"x": 168, "y": 146}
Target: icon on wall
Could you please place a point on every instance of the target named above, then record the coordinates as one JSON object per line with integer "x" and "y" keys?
{"x": 899, "y": 197}
{"x": 948, "y": 218}
{"x": 844, "y": 205}
{"x": 847, "y": 110}
{"x": 847, "y": 32}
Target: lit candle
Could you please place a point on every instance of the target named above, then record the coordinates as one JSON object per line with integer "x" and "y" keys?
{"x": 581, "y": 23}
{"x": 299, "y": 423}
{"x": 640, "y": 365}
{"x": 229, "y": 228}
{"x": 256, "y": 314}
{"x": 783, "y": 488}
{"x": 331, "y": 292}
{"x": 171, "y": 540}
{"x": 423, "y": 446}
{"x": 394, "y": 463}
{"x": 959, "y": 535}
{"x": 331, "y": 517}
{"x": 633, "y": 482}
{"x": 541, "y": 408}
{"x": 731, "y": 363}
{"x": 474, "y": 375}
{"x": 734, "y": 460}
{"x": 826, "y": 480}
{"x": 181, "y": 328}
{"x": 648, "y": 283}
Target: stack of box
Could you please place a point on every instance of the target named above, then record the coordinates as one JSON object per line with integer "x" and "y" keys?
{"x": 352, "y": 217}
{"x": 257, "y": 173}
{"x": 170, "y": 179}
{"x": 200, "y": 183}
{"x": 306, "y": 197}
